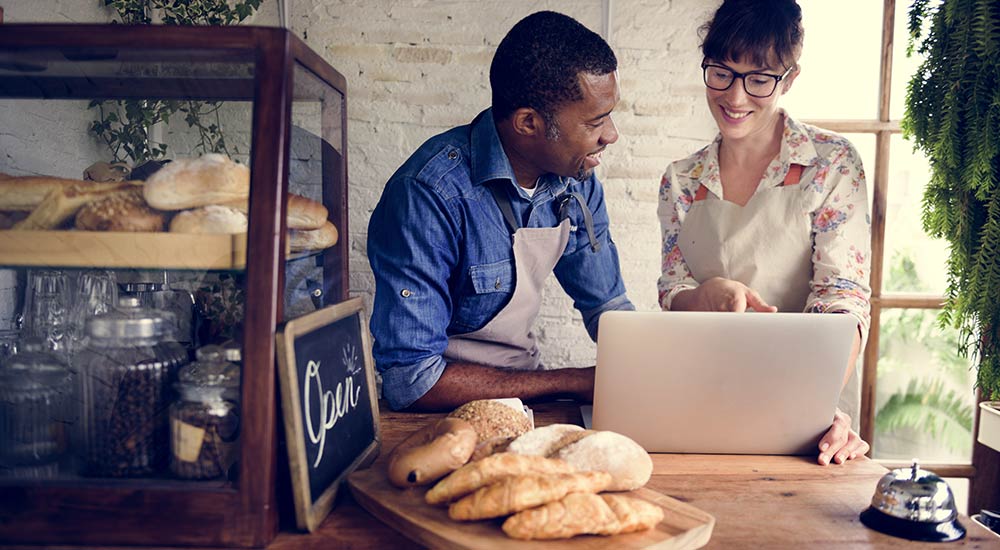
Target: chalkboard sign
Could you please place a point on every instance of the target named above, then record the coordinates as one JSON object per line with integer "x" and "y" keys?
{"x": 328, "y": 402}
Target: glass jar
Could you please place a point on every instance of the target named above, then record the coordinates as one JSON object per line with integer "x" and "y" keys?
{"x": 127, "y": 369}
{"x": 35, "y": 401}
{"x": 204, "y": 421}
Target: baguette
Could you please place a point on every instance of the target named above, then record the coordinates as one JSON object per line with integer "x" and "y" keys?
{"x": 584, "y": 514}
{"x": 62, "y": 203}
{"x": 493, "y": 468}
{"x": 300, "y": 240}
{"x": 513, "y": 494}
{"x": 302, "y": 213}
{"x": 25, "y": 193}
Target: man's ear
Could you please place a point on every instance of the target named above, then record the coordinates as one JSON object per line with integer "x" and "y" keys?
{"x": 527, "y": 122}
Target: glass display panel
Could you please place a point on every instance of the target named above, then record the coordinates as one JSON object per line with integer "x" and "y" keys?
{"x": 121, "y": 327}
{"x": 314, "y": 276}
{"x": 924, "y": 403}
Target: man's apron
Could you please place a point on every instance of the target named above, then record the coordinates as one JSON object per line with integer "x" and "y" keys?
{"x": 507, "y": 340}
{"x": 766, "y": 245}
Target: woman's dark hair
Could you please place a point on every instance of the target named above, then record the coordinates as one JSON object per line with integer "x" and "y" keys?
{"x": 754, "y": 31}
{"x": 537, "y": 63}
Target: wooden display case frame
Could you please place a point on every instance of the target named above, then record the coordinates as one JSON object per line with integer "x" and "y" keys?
{"x": 165, "y": 512}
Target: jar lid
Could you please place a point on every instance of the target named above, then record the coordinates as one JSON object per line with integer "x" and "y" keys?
{"x": 210, "y": 369}
{"x": 33, "y": 371}
{"x": 130, "y": 320}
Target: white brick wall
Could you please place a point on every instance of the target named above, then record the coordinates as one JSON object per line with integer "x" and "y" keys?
{"x": 417, "y": 67}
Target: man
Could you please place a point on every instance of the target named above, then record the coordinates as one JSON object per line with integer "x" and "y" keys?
{"x": 471, "y": 225}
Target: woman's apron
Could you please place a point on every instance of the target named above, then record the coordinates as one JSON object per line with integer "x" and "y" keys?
{"x": 766, "y": 245}
{"x": 507, "y": 340}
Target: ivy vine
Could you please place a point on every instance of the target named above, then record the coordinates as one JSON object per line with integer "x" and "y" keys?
{"x": 953, "y": 116}
{"x": 124, "y": 125}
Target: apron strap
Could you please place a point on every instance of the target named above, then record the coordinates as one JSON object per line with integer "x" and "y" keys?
{"x": 588, "y": 218}
{"x": 503, "y": 202}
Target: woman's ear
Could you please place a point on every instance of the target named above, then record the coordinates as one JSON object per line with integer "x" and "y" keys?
{"x": 786, "y": 82}
{"x": 527, "y": 122}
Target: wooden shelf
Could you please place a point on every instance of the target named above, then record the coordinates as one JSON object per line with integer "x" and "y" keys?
{"x": 122, "y": 250}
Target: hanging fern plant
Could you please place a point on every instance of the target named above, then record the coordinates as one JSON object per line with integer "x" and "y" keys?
{"x": 953, "y": 117}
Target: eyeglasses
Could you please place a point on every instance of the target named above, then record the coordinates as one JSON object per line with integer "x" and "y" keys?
{"x": 755, "y": 84}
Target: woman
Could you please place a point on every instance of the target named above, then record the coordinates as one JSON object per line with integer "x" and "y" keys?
{"x": 773, "y": 214}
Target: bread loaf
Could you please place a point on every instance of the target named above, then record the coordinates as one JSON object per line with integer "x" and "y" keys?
{"x": 62, "y": 203}
{"x": 301, "y": 240}
{"x": 126, "y": 211}
{"x": 209, "y": 219}
{"x": 478, "y": 474}
{"x": 190, "y": 183}
{"x": 584, "y": 514}
{"x": 25, "y": 193}
{"x": 628, "y": 463}
{"x": 517, "y": 493}
{"x": 302, "y": 213}
{"x": 431, "y": 452}
{"x": 493, "y": 419}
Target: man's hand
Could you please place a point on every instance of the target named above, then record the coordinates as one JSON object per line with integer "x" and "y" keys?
{"x": 841, "y": 443}
{"x": 719, "y": 294}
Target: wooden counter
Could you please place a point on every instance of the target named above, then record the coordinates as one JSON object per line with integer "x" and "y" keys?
{"x": 758, "y": 501}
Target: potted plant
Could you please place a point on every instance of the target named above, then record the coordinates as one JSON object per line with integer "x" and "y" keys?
{"x": 125, "y": 125}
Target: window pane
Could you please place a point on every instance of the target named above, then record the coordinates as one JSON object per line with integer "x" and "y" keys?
{"x": 913, "y": 261}
{"x": 924, "y": 400}
{"x": 902, "y": 67}
{"x": 840, "y": 61}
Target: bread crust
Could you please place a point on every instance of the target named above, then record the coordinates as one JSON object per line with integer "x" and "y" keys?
{"x": 431, "y": 452}
{"x": 628, "y": 463}
{"x": 302, "y": 240}
{"x": 492, "y": 419}
{"x": 190, "y": 183}
{"x": 513, "y": 494}
{"x": 62, "y": 203}
{"x": 302, "y": 212}
{"x": 126, "y": 211}
{"x": 478, "y": 474}
{"x": 209, "y": 219}
{"x": 584, "y": 514}
{"x": 25, "y": 193}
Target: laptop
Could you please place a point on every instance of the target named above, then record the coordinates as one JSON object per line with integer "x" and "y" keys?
{"x": 715, "y": 382}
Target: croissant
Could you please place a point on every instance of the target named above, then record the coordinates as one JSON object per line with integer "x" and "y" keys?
{"x": 517, "y": 493}
{"x": 583, "y": 514}
{"x": 477, "y": 474}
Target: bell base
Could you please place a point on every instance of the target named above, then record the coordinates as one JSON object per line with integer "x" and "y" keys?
{"x": 946, "y": 531}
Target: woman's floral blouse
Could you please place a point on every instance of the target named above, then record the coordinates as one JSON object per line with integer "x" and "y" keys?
{"x": 836, "y": 198}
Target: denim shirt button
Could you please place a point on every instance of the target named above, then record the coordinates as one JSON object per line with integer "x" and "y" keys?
{"x": 497, "y": 286}
{"x": 405, "y": 293}
{"x": 452, "y": 155}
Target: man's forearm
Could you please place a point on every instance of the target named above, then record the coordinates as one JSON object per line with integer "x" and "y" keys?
{"x": 464, "y": 382}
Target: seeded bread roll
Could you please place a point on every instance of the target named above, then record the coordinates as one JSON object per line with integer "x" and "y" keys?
{"x": 209, "y": 219}
{"x": 190, "y": 183}
{"x": 120, "y": 212}
{"x": 303, "y": 213}
{"x": 62, "y": 203}
{"x": 493, "y": 419}
{"x": 300, "y": 240}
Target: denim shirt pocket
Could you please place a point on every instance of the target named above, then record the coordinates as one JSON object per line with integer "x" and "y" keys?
{"x": 491, "y": 288}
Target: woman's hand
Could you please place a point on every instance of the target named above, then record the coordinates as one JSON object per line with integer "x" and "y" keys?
{"x": 719, "y": 294}
{"x": 841, "y": 443}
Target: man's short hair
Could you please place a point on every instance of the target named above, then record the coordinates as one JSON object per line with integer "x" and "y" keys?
{"x": 537, "y": 64}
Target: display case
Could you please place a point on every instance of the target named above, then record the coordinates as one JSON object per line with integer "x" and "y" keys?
{"x": 141, "y": 303}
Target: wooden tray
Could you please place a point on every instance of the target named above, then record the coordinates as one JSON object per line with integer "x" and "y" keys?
{"x": 683, "y": 526}
{"x": 120, "y": 250}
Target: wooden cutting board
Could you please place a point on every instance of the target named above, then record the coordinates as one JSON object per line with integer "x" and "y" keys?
{"x": 683, "y": 526}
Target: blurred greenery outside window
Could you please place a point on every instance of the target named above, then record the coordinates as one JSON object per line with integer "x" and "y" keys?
{"x": 924, "y": 402}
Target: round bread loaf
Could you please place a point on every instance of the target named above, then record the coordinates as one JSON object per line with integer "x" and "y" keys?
{"x": 189, "y": 183}
{"x": 122, "y": 211}
{"x": 545, "y": 440}
{"x": 209, "y": 219}
{"x": 628, "y": 463}
{"x": 492, "y": 419}
{"x": 300, "y": 240}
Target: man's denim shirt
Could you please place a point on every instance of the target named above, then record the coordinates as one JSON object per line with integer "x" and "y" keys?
{"x": 443, "y": 259}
